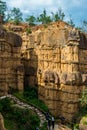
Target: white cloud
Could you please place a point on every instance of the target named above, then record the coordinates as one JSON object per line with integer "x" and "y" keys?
{"x": 40, "y": 2}
{"x": 13, "y": 3}
{"x": 49, "y": 4}
{"x": 28, "y": 3}
{"x": 36, "y": 3}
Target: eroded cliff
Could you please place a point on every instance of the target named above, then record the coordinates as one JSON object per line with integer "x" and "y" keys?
{"x": 54, "y": 58}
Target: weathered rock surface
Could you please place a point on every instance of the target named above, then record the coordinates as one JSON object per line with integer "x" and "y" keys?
{"x": 83, "y": 124}
{"x": 1, "y": 123}
{"x": 57, "y": 53}
{"x": 55, "y": 59}
{"x": 11, "y": 76}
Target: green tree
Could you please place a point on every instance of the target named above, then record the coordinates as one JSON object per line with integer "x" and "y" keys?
{"x": 8, "y": 16}
{"x": 59, "y": 15}
{"x": 15, "y": 15}
{"x": 3, "y": 8}
{"x": 84, "y": 26}
{"x": 5, "y": 105}
{"x": 71, "y": 22}
{"x": 31, "y": 20}
{"x": 43, "y": 18}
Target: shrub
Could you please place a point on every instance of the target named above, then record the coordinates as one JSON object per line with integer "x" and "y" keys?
{"x": 28, "y": 31}
{"x": 31, "y": 95}
{"x": 18, "y": 118}
{"x": 5, "y": 105}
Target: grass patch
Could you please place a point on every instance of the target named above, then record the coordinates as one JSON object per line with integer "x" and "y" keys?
{"x": 18, "y": 118}
{"x": 30, "y": 96}
{"x": 44, "y": 127}
{"x": 9, "y": 124}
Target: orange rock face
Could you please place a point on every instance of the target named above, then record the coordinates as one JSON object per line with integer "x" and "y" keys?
{"x": 54, "y": 58}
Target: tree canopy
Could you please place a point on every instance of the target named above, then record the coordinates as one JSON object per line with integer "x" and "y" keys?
{"x": 71, "y": 22}
{"x": 31, "y": 20}
{"x": 3, "y": 8}
{"x": 15, "y": 15}
{"x": 44, "y": 18}
{"x": 59, "y": 15}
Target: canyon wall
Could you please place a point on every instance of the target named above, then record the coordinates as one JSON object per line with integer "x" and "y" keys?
{"x": 54, "y": 59}
{"x": 56, "y": 55}
{"x": 11, "y": 68}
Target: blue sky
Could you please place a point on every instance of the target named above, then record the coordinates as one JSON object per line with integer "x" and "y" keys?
{"x": 76, "y": 9}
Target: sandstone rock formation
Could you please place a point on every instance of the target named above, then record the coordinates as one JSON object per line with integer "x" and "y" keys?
{"x": 58, "y": 54}
{"x": 11, "y": 68}
{"x": 83, "y": 123}
{"x": 54, "y": 58}
{"x": 1, "y": 123}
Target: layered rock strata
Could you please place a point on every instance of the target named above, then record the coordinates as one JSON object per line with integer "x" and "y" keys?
{"x": 54, "y": 58}
{"x": 11, "y": 68}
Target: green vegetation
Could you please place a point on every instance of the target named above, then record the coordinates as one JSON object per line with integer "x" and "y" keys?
{"x": 3, "y": 8}
{"x": 31, "y": 20}
{"x": 83, "y": 100}
{"x": 83, "y": 105}
{"x": 59, "y": 15}
{"x": 85, "y": 122}
{"x": 30, "y": 95}
{"x": 15, "y": 15}
{"x": 43, "y": 18}
{"x": 82, "y": 111}
{"x": 70, "y": 22}
{"x": 44, "y": 127}
{"x": 84, "y": 26}
{"x": 5, "y": 105}
{"x": 28, "y": 31}
{"x": 17, "y": 118}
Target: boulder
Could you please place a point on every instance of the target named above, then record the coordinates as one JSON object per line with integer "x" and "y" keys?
{"x": 83, "y": 124}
